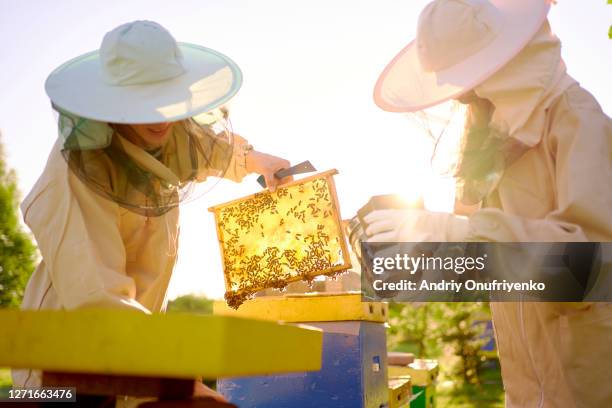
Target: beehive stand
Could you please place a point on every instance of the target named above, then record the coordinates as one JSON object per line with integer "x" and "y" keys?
{"x": 354, "y": 366}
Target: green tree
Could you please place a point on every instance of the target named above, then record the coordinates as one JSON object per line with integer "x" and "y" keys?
{"x": 17, "y": 251}
{"x": 191, "y": 303}
{"x": 412, "y": 329}
{"x": 462, "y": 331}
{"x": 454, "y": 332}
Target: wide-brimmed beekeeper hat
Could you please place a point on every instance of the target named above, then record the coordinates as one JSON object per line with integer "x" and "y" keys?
{"x": 140, "y": 75}
{"x": 459, "y": 44}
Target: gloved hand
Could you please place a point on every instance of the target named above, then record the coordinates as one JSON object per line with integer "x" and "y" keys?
{"x": 415, "y": 225}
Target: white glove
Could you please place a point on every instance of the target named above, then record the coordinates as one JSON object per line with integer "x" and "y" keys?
{"x": 415, "y": 225}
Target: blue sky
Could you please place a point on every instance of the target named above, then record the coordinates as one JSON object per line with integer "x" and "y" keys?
{"x": 309, "y": 68}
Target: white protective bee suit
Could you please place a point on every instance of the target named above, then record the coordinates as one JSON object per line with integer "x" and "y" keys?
{"x": 552, "y": 354}
{"x": 105, "y": 212}
{"x": 558, "y": 190}
{"x": 95, "y": 253}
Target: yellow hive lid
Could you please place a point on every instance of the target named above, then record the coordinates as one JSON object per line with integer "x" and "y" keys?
{"x": 400, "y": 391}
{"x": 176, "y": 345}
{"x": 309, "y": 307}
{"x": 422, "y": 371}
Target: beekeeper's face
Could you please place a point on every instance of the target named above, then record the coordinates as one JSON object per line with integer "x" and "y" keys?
{"x": 151, "y": 135}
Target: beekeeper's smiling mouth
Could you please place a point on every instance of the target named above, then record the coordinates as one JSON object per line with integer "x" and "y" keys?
{"x": 159, "y": 130}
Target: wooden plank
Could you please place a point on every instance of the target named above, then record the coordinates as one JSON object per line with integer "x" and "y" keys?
{"x": 397, "y": 358}
{"x": 176, "y": 345}
{"x": 312, "y": 307}
{"x": 172, "y": 392}
{"x": 334, "y": 194}
{"x": 101, "y": 384}
{"x": 194, "y": 403}
{"x": 326, "y": 173}
{"x": 400, "y": 391}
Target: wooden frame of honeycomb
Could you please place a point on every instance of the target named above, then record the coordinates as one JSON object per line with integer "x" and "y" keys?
{"x": 268, "y": 240}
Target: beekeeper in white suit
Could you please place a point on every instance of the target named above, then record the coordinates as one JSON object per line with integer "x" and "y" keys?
{"x": 537, "y": 156}
{"x": 139, "y": 132}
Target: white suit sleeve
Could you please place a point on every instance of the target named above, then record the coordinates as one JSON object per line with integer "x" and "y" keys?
{"x": 581, "y": 141}
{"x": 235, "y": 170}
{"x": 78, "y": 236}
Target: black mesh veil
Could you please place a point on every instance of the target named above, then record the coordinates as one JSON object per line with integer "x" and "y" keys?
{"x": 466, "y": 147}
{"x": 149, "y": 183}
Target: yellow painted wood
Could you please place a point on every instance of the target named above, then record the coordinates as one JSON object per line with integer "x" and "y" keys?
{"x": 311, "y": 307}
{"x": 296, "y": 182}
{"x": 400, "y": 391}
{"x": 430, "y": 394}
{"x": 423, "y": 372}
{"x": 173, "y": 345}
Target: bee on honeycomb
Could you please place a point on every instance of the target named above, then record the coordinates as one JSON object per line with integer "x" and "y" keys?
{"x": 270, "y": 239}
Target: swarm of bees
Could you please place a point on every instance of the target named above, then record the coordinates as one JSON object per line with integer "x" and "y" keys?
{"x": 269, "y": 239}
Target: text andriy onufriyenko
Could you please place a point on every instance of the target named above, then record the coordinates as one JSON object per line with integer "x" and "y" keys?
{"x": 470, "y": 285}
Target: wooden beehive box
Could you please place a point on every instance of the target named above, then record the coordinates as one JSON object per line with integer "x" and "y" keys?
{"x": 268, "y": 240}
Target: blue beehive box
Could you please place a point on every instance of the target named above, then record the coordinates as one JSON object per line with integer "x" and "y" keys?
{"x": 353, "y": 362}
{"x": 353, "y": 374}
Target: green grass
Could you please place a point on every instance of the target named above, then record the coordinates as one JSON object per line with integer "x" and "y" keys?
{"x": 5, "y": 382}
{"x": 489, "y": 394}
{"x": 5, "y": 378}
{"x": 408, "y": 348}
